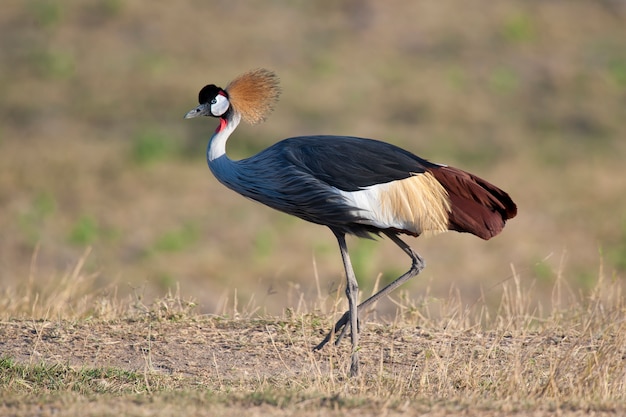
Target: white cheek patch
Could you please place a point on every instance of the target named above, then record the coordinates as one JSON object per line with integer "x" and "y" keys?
{"x": 220, "y": 106}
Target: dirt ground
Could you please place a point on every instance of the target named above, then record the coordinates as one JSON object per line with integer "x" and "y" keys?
{"x": 202, "y": 349}
{"x": 233, "y": 356}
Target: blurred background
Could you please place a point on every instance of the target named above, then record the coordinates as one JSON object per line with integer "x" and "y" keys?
{"x": 94, "y": 151}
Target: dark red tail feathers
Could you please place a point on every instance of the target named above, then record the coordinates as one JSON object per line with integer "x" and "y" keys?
{"x": 477, "y": 206}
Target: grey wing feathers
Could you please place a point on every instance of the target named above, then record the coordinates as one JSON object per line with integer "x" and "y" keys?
{"x": 350, "y": 163}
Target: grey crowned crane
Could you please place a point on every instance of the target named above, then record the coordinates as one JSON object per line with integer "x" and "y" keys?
{"x": 354, "y": 186}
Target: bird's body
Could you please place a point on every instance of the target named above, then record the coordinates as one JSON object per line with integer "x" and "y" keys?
{"x": 321, "y": 179}
{"x": 298, "y": 176}
{"x": 352, "y": 185}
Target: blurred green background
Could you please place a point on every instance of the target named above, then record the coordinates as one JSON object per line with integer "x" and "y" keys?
{"x": 94, "y": 151}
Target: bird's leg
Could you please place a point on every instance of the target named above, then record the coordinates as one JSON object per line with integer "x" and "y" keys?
{"x": 416, "y": 267}
{"x": 352, "y": 292}
{"x": 417, "y": 264}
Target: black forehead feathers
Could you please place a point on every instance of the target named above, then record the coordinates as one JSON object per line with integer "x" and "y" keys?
{"x": 209, "y": 92}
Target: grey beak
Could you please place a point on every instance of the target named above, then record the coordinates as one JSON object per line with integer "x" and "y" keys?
{"x": 201, "y": 110}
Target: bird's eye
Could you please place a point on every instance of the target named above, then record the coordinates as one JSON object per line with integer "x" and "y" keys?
{"x": 214, "y": 101}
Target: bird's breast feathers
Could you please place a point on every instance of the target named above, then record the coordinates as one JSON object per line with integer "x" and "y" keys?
{"x": 416, "y": 204}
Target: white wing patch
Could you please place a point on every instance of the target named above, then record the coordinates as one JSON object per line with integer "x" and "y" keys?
{"x": 416, "y": 204}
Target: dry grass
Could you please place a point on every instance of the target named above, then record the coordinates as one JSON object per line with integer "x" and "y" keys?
{"x": 438, "y": 356}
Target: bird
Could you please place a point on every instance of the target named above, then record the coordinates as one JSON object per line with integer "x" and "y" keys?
{"x": 354, "y": 186}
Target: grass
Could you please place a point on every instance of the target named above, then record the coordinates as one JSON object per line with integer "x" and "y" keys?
{"x": 92, "y": 120}
{"x": 94, "y": 151}
{"x": 46, "y": 14}
{"x": 31, "y": 221}
{"x": 53, "y": 64}
{"x": 177, "y": 240}
{"x": 150, "y": 146}
{"x": 84, "y": 232}
{"x": 519, "y": 28}
{"x": 435, "y": 355}
{"x": 50, "y": 378}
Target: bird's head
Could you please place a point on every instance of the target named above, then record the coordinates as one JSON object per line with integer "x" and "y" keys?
{"x": 213, "y": 102}
{"x": 252, "y": 95}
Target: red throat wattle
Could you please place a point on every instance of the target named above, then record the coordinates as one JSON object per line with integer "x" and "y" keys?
{"x": 222, "y": 125}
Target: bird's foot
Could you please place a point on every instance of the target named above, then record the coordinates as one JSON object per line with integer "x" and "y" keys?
{"x": 354, "y": 364}
{"x": 339, "y": 329}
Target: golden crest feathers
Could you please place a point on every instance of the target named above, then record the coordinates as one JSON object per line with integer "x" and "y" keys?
{"x": 253, "y": 94}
